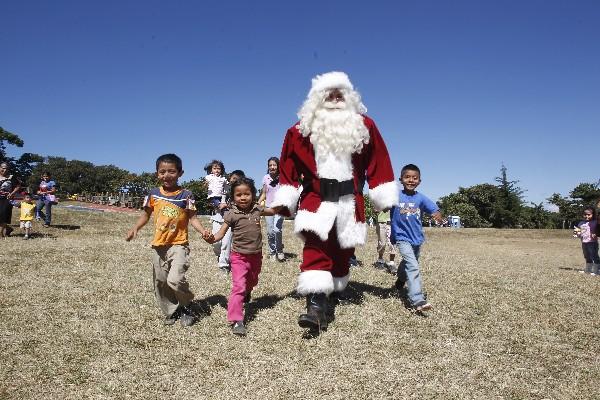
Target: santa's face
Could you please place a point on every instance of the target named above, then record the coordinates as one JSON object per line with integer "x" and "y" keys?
{"x": 334, "y": 100}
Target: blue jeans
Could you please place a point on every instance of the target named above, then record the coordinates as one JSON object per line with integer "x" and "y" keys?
{"x": 47, "y": 216}
{"x": 590, "y": 252}
{"x": 408, "y": 271}
{"x": 274, "y": 233}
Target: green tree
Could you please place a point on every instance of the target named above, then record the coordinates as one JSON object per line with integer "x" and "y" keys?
{"x": 507, "y": 209}
{"x": 6, "y": 138}
{"x": 139, "y": 185}
{"x": 570, "y": 208}
{"x": 23, "y": 165}
{"x": 200, "y": 190}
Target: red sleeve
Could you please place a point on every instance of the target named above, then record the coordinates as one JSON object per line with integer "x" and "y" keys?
{"x": 379, "y": 167}
{"x": 288, "y": 174}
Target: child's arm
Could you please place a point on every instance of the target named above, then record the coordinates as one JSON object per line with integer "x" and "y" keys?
{"x": 263, "y": 195}
{"x": 142, "y": 220}
{"x": 219, "y": 235}
{"x": 437, "y": 216}
{"x": 197, "y": 225}
{"x": 267, "y": 211}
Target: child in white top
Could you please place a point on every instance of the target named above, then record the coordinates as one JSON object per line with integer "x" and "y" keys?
{"x": 586, "y": 230}
{"x": 216, "y": 181}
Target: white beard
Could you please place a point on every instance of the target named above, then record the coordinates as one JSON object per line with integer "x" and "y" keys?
{"x": 336, "y": 133}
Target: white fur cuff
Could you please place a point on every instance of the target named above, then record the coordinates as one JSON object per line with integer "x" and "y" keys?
{"x": 286, "y": 196}
{"x": 385, "y": 195}
{"x": 315, "y": 281}
{"x": 340, "y": 284}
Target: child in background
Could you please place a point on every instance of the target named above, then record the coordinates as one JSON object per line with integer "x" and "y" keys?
{"x": 270, "y": 185}
{"x": 246, "y": 253}
{"x": 216, "y": 182}
{"x": 407, "y": 234}
{"x": 586, "y": 230}
{"x": 223, "y": 248}
{"x": 27, "y": 214}
{"x": 46, "y": 198}
{"x": 383, "y": 230}
{"x": 173, "y": 209}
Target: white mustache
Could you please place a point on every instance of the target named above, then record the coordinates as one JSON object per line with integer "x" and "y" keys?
{"x": 340, "y": 105}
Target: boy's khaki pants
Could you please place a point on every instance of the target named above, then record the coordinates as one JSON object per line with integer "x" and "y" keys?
{"x": 171, "y": 288}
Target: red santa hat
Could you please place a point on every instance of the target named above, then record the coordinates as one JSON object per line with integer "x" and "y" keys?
{"x": 330, "y": 80}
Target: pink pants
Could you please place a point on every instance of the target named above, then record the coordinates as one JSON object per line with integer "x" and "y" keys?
{"x": 244, "y": 276}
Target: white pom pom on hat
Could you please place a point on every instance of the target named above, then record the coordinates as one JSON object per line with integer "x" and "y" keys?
{"x": 331, "y": 80}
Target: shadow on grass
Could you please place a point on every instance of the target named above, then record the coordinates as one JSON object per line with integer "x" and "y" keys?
{"x": 203, "y": 307}
{"x": 571, "y": 268}
{"x": 290, "y": 256}
{"x": 66, "y": 227}
{"x": 262, "y": 303}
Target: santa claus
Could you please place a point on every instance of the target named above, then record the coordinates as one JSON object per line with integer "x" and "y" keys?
{"x": 331, "y": 152}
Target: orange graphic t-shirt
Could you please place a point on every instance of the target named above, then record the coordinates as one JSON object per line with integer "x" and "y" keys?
{"x": 171, "y": 215}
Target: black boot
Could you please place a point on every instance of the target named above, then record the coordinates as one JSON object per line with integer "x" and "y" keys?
{"x": 316, "y": 312}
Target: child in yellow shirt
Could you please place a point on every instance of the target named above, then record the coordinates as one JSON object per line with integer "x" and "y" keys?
{"x": 27, "y": 214}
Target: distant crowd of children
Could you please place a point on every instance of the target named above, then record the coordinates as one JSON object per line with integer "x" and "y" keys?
{"x": 40, "y": 211}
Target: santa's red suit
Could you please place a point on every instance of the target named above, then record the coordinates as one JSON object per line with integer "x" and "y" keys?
{"x": 331, "y": 213}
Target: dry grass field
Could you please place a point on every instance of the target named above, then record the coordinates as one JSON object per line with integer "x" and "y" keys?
{"x": 513, "y": 319}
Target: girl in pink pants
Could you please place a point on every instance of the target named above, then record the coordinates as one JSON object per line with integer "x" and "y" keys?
{"x": 246, "y": 248}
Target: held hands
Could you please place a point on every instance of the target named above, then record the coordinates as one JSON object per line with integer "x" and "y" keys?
{"x": 208, "y": 237}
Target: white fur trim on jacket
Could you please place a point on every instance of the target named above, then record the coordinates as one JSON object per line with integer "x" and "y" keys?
{"x": 286, "y": 196}
{"x": 349, "y": 232}
{"x": 385, "y": 195}
{"x": 315, "y": 281}
{"x": 340, "y": 284}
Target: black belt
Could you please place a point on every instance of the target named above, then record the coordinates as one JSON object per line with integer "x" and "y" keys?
{"x": 332, "y": 189}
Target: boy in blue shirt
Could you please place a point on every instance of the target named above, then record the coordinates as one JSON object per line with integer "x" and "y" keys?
{"x": 407, "y": 234}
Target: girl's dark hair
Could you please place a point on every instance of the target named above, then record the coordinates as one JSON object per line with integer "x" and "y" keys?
{"x": 208, "y": 167}
{"x": 237, "y": 172}
{"x": 592, "y": 209}
{"x": 276, "y": 162}
{"x": 243, "y": 181}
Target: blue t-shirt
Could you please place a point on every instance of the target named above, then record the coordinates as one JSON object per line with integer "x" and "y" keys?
{"x": 406, "y": 218}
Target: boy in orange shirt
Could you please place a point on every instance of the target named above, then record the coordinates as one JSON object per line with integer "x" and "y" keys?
{"x": 173, "y": 209}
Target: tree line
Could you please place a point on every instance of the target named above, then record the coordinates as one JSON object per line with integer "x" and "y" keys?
{"x": 485, "y": 205}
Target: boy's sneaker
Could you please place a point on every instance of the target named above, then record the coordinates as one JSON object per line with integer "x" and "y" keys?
{"x": 25, "y": 237}
{"x": 380, "y": 264}
{"x": 391, "y": 267}
{"x": 170, "y": 320}
{"x": 423, "y": 306}
{"x": 238, "y": 328}
{"x": 187, "y": 317}
{"x": 280, "y": 257}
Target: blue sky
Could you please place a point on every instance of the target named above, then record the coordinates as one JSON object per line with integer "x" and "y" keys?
{"x": 457, "y": 88}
